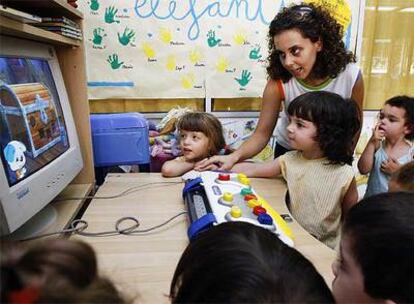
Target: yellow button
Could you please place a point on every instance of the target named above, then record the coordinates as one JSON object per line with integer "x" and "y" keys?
{"x": 244, "y": 181}
{"x": 253, "y": 203}
{"x": 228, "y": 197}
{"x": 241, "y": 175}
{"x": 235, "y": 211}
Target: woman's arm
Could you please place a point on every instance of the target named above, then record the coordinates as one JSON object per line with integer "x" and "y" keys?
{"x": 366, "y": 161}
{"x": 266, "y": 169}
{"x": 350, "y": 198}
{"x": 358, "y": 96}
{"x": 176, "y": 167}
{"x": 261, "y": 136}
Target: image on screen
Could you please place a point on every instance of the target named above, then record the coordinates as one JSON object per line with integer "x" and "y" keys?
{"x": 32, "y": 127}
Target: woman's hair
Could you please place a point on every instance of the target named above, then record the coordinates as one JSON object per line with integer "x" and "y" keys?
{"x": 54, "y": 271}
{"x": 381, "y": 231}
{"x": 336, "y": 120}
{"x": 404, "y": 177}
{"x": 237, "y": 262}
{"x": 206, "y": 123}
{"x": 406, "y": 103}
{"x": 314, "y": 23}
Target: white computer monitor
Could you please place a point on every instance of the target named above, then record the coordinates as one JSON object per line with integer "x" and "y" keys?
{"x": 39, "y": 146}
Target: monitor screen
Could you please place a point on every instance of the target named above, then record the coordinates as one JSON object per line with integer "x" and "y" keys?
{"x": 32, "y": 126}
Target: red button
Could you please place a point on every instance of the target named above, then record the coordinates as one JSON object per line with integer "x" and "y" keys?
{"x": 259, "y": 210}
{"x": 224, "y": 177}
{"x": 249, "y": 197}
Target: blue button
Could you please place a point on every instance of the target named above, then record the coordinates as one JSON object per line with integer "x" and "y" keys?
{"x": 265, "y": 219}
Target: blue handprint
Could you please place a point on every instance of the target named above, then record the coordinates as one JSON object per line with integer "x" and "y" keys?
{"x": 255, "y": 53}
{"x": 114, "y": 61}
{"x": 98, "y": 35}
{"x": 245, "y": 78}
{"x": 126, "y": 36}
{"x": 110, "y": 13}
{"x": 212, "y": 41}
{"x": 94, "y": 5}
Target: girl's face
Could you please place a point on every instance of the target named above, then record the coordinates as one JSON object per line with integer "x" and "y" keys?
{"x": 297, "y": 54}
{"x": 348, "y": 285}
{"x": 392, "y": 122}
{"x": 302, "y": 134}
{"x": 194, "y": 145}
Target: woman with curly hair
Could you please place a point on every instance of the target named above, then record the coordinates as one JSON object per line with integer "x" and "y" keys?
{"x": 319, "y": 175}
{"x": 306, "y": 53}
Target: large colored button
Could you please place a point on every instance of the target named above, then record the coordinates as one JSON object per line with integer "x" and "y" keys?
{"x": 236, "y": 211}
{"x": 228, "y": 197}
{"x": 241, "y": 175}
{"x": 249, "y": 197}
{"x": 224, "y": 177}
{"x": 245, "y": 191}
{"x": 253, "y": 203}
{"x": 244, "y": 181}
{"x": 265, "y": 219}
{"x": 259, "y": 210}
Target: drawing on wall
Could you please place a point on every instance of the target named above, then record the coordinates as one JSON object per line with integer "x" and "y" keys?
{"x": 185, "y": 49}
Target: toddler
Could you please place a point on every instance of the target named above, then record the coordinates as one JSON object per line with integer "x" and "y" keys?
{"x": 390, "y": 145}
{"x": 403, "y": 179}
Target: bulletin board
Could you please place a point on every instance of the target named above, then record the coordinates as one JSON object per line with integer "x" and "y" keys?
{"x": 185, "y": 49}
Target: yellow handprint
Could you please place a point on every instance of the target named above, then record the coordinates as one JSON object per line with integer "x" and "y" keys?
{"x": 194, "y": 55}
{"x": 222, "y": 64}
{"x": 239, "y": 38}
{"x": 187, "y": 81}
{"x": 165, "y": 35}
{"x": 171, "y": 63}
{"x": 148, "y": 50}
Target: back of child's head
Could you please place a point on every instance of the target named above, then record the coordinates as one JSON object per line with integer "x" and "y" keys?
{"x": 403, "y": 178}
{"x": 381, "y": 232}
{"x": 206, "y": 123}
{"x": 56, "y": 271}
{"x": 406, "y": 103}
{"x": 238, "y": 262}
{"x": 314, "y": 23}
{"x": 336, "y": 120}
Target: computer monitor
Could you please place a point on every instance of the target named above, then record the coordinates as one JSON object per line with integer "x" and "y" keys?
{"x": 39, "y": 147}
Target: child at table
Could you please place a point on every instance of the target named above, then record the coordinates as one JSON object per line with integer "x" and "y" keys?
{"x": 390, "y": 145}
{"x": 403, "y": 179}
{"x": 376, "y": 254}
{"x": 201, "y": 136}
{"x": 237, "y": 262}
{"x": 55, "y": 271}
{"x": 320, "y": 179}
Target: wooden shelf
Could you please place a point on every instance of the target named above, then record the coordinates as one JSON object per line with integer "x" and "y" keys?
{"x": 45, "y": 8}
{"x": 23, "y": 30}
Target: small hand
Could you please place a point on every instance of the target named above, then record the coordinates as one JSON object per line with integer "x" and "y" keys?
{"x": 97, "y": 35}
{"x": 245, "y": 78}
{"x": 94, "y": 5}
{"x": 377, "y": 134}
{"x": 389, "y": 166}
{"x": 212, "y": 41}
{"x": 126, "y": 36}
{"x": 110, "y": 13}
{"x": 114, "y": 61}
{"x": 255, "y": 53}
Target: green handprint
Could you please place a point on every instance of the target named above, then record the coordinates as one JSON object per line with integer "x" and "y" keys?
{"x": 255, "y": 53}
{"x": 110, "y": 13}
{"x": 98, "y": 35}
{"x": 126, "y": 36}
{"x": 94, "y": 5}
{"x": 114, "y": 61}
{"x": 245, "y": 78}
{"x": 212, "y": 41}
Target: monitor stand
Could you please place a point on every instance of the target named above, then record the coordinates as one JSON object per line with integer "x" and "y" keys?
{"x": 36, "y": 225}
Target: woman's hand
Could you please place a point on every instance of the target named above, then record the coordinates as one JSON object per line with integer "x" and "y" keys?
{"x": 217, "y": 162}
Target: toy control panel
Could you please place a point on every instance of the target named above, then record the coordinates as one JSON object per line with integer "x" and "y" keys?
{"x": 217, "y": 197}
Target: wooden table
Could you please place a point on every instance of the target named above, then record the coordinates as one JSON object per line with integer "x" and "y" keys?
{"x": 143, "y": 265}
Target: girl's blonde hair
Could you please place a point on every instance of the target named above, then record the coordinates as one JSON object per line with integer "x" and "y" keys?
{"x": 207, "y": 124}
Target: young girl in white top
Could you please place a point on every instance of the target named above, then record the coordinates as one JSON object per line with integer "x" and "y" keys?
{"x": 201, "y": 136}
{"x": 319, "y": 175}
{"x": 391, "y": 144}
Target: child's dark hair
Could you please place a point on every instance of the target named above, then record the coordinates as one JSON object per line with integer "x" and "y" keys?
{"x": 406, "y": 103}
{"x": 381, "y": 231}
{"x": 206, "y": 123}
{"x": 314, "y": 23}
{"x": 336, "y": 120}
{"x": 56, "y": 271}
{"x": 237, "y": 262}
{"x": 404, "y": 177}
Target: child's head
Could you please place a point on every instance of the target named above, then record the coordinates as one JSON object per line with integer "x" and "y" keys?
{"x": 238, "y": 262}
{"x": 403, "y": 179}
{"x": 376, "y": 261}
{"x": 397, "y": 117}
{"x": 56, "y": 271}
{"x": 336, "y": 121}
{"x": 201, "y": 135}
{"x": 306, "y": 40}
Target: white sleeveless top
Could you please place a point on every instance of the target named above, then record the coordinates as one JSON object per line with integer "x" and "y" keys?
{"x": 341, "y": 85}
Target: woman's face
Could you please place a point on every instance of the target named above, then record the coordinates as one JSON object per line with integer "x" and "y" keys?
{"x": 297, "y": 54}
